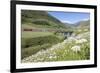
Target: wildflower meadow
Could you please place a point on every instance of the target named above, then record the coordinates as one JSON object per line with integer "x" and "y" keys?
{"x": 46, "y": 36}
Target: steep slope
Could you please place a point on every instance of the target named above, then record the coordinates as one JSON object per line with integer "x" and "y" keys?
{"x": 40, "y": 18}
{"x": 83, "y": 24}
{"x": 72, "y": 26}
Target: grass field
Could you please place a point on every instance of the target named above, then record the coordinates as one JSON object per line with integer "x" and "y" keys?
{"x": 31, "y": 34}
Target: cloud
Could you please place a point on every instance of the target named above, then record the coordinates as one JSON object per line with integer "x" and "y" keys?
{"x": 65, "y": 21}
{"x": 85, "y": 19}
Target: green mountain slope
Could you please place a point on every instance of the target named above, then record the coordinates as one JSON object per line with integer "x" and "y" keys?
{"x": 40, "y": 19}
{"x": 84, "y": 24}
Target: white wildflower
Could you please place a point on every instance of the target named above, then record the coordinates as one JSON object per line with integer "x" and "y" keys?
{"x": 65, "y": 41}
{"x": 39, "y": 53}
{"x": 70, "y": 39}
{"x": 76, "y": 48}
{"x": 58, "y": 46}
{"x": 50, "y": 57}
{"x": 81, "y": 41}
{"x": 52, "y": 48}
{"x": 79, "y": 37}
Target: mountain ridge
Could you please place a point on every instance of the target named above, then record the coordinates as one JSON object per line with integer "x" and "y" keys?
{"x": 40, "y": 18}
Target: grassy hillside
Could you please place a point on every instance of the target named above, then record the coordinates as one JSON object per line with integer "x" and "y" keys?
{"x": 82, "y": 24}
{"x": 40, "y": 19}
